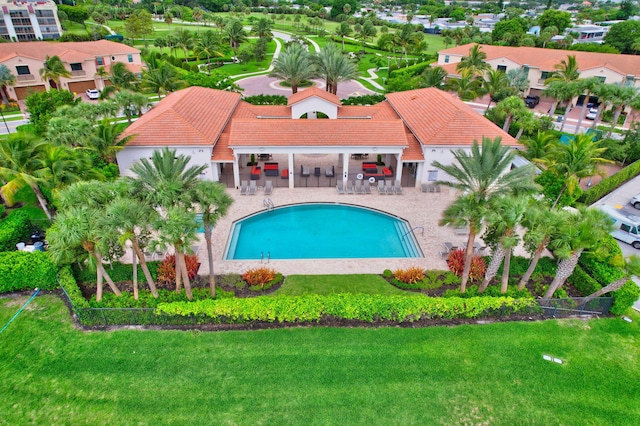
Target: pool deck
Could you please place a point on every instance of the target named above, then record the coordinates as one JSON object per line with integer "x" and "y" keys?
{"x": 418, "y": 208}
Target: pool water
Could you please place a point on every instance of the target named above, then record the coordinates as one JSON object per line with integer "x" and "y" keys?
{"x": 321, "y": 231}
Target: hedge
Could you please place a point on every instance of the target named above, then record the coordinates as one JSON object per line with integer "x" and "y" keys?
{"x": 583, "y": 282}
{"x": 600, "y": 268}
{"x": 14, "y": 229}
{"x": 21, "y": 270}
{"x": 606, "y": 185}
{"x": 624, "y": 298}
{"x": 68, "y": 283}
{"x": 411, "y": 71}
{"x": 312, "y": 308}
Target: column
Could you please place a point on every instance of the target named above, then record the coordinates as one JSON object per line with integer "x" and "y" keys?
{"x": 399, "y": 167}
{"x": 291, "y": 165}
{"x": 345, "y": 167}
{"x": 419, "y": 173}
{"x": 236, "y": 172}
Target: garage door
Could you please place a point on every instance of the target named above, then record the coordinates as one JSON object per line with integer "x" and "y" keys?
{"x": 81, "y": 86}
{"x": 23, "y": 92}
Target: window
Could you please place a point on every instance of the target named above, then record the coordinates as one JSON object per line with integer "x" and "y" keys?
{"x": 433, "y": 176}
{"x": 634, "y": 231}
{"x": 525, "y": 69}
{"x": 624, "y": 227}
{"x": 502, "y": 68}
{"x": 130, "y": 58}
{"x": 76, "y": 67}
{"x": 446, "y": 59}
{"x": 23, "y": 69}
{"x": 545, "y": 75}
{"x": 99, "y": 61}
{"x": 602, "y": 78}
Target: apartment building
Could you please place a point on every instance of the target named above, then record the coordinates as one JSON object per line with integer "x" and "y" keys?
{"x": 29, "y": 20}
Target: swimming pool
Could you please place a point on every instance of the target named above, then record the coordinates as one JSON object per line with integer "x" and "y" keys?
{"x": 321, "y": 231}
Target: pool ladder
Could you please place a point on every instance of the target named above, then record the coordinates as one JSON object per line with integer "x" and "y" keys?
{"x": 411, "y": 230}
{"x": 268, "y": 203}
{"x": 262, "y": 256}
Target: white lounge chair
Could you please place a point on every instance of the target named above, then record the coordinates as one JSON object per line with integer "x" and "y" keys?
{"x": 268, "y": 187}
{"x": 388, "y": 186}
{"x": 359, "y": 188}
{"x": 253, "y": 188}
{"x": 367, "y": 187}
{"x": 340, "y": 187}
{"x": 349, "y": 187}
{"x": 397, "y": 188}
{"x": 244, "y": 188}
{"x": 381, "y": 189}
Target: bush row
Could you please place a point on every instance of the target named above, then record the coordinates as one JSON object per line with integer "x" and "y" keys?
{"x": 624, "y": 298}
{"x": 411, "y": 70}
{"x": 606, "y": 185}
{"x": 603, "y": 269}
{"x": 21, "y": 270}
{"x": 15, "y": 228}
{"x": 68, "y": 283}
{"x": 146, "y": 299}
{"x": 583, "y": 282}
{"x": 312, "y": 308}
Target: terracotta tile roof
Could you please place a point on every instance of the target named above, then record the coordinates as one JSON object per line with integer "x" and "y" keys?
{"x": 545, "y": 59}
{"x": 193, "y": 116}
{"x": 246, "y": 110}
{"x": 438, "y": 118}
{"x": 312, "y": 91}
{"x": 449, "y": 68}
{"x": 222, "y": 152}
{"x": 322, "y": 132}
{"x": 73, "y": 50}
{"x": 414, "y": 151}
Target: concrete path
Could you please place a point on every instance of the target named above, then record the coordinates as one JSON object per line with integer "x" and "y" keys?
{"x": 371, "y": 79}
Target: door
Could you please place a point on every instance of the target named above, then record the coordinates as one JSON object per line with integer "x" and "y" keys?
{"x": 81, "y": 86}
{"x": 23, "y": 92}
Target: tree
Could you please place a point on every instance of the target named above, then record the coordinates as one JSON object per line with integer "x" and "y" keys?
{"x": 294, "y": 65}
{"x": 367, "y": 30}
{"x": 434, "y": 77}
{"x": 131, "y": 103}
{"x": 235, "y": 34}
{"x": 583, "y": 230}
{"x": 468, "y": 87}
{"x": 511, "y": 29}
{"x": 496, "y": 85}
{"x": 630, "y": 268}
{"x": 343, "y": 30}
{"x": 213, "y": 202}
{"x": 106, "y": 141}
{"x": 620, "y": 97}
{"x": 539, "y": 146}
{"x": 510, "y": 108}
{"x": 52, "y": 70}
{"x": 163, "y": 79}
{"x": 338, "y": 7}
{"x": 566, "y": 71}
{"x": 262, "y": 28}
{"x": 517, "y": 80}
{"x": 139, "y": 24}
{"x": 41, "y": 105}
{"x": 482, "y": 174}
{"x": 587, "y": 86}
{"x": 623, "y": 35}
{"x": 209, "y": 45}
{"x": 406, "y": 37}
{"x": 555, "y": 18}
{"x": 120, "y": 77}
{"x": 184, "y": 40}
{"x": 21, "y": 165}
{"x": 335, "y": 67}
{"x": 6, "y": 79}
{"x": 474, "y": 62}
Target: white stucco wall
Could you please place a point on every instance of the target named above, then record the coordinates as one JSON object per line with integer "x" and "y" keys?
{"x": 314, "y": 104}
{"x": 199, "y": 155}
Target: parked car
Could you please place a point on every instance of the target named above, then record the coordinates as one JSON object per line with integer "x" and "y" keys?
{"x": 592, "y": 114}
{"x": 625, "y": 226}
{"x": 532, "y": 101}
{"x": 635, "y": 202}
{"x": 93, "y": 93}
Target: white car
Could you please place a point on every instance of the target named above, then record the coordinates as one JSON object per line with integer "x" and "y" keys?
{"x": 93, "y": 93}
{"x": 592, "y": 114}
{"x": 635, "y": 202}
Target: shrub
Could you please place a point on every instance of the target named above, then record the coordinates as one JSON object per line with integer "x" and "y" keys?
{"x": 431, "y": 281}
{"x": 233, "y": 280}
{"x": 583, "y": 282}
{"x": 604, "y": 269}
{"x": 624, "y": 298}
{"x": 14, "y": 228}
{"x": 455, "y": 261}
{"x": 491, "y": 291}
{"x": 387, "y": 273}
{"x": 258, "y": 277}
{"x": 167, "y": 269}
{"x": 409, "y": 276}
{"x": 608, "y": 184}
{"x": 20, "y": 270}
{"x": 146, "y": 299}
{"x": 70, "y": 286}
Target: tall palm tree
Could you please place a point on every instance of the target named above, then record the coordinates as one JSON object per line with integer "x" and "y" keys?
{"x": 213, "y": 202}
{"x": 65, "y": 166}
{"x": 468, "y": 87}
{"x": 622, "y": 97}
{"x": 510, "y": 108}
{"x": 121, "y": 79}
{"x": 539, "y": 146}
{"x": 474, "y": 61}
{"x": 21, "y": 165}
{"x": 406, "y": 37}
{"x": 588, "y": 86}
{"x": 334, "y": 67}
{"x": 235, "y": 34}
{"x": 294, "y": 65}
{"x": 583, "y": 231}
{"x": 6, "y": 79}
{"x": 434, "y": 77}
{"x": 495, "y": 83}
{"x": 184, "y": 40}
{"x": 53, "y": 69}
{"x": 163, "y": 79}
{"x": 209, "y": 45}
{"x": 106, "y": 141}
{"x": 262, "y": 28}
{"x": 566, "y": 71}
{"x": 579, "y": 158}
{"x": 343, "y": 30}
{"x": 131, "y": 103}
{"x": 482, "y": 174}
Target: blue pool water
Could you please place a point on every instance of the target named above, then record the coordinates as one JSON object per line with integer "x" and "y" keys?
{"x": 321, "y": 231}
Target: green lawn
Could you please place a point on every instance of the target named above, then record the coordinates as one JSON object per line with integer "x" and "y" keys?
{"x": 296, "y": 285}
{"x": 52, "y": 373}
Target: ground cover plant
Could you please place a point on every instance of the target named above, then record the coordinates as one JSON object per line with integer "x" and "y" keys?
{"x": 470, "y": 374}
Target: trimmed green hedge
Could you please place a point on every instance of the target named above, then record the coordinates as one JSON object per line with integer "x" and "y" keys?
{"x": 346, "y": 306}
{"x": 601, "y": 268}
{"x": 624, "y": 298}
{"x": 14, "y": 229}
{"x": 20, "y": 270}
{"x": 606, "y": 185}
{"x": 68, "y": 283}
{"x": 411, "y": 71}
{"x": 583, "y": 282}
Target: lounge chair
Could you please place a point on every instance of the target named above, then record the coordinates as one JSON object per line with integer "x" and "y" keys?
{"x": 359, "y": 188}
{"x": 397, "y": 188}
{"x": 388, "y": 186}
{"x": 381, "y": 189}
{"x": 252, "y": 188}
{"x": 268, "y": 187}
{"x": 340, "y": 187}
{"x": 305, "y": 171}
{"x": 367, "y": 187}
{"x": 349, "y": 187}
{"x": 424, "y": 187}
{"x": 243, "y": 187}
{"x": 330, "y": 171}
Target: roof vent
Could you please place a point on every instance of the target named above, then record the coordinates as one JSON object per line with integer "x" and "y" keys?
{"x": 414, "y": 97}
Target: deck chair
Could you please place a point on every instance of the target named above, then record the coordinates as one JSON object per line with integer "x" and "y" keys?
{"x": 349, "y": 187}
{"x": 252, "y": 188}
{"x": 388, "y": 186}
{"x": 424, "y": 187}
{"x": 268, "y": 187}
{"x": 367, "y": 187}
{"x": 244, "y": 188}
{"x": 381, "y": 189}
{"x": 397, "y": 188}
{"x": 359, "y": 188}
{"x": 340, "y": 187}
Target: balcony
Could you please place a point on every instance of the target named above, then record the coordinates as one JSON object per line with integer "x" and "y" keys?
{"x": 78, "y": 73}
{"x": 26, "y": 77}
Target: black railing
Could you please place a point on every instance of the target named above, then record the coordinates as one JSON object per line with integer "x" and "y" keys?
{"x": 575, "y": 306}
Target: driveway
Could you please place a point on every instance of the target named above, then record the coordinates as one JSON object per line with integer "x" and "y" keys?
{"x": 265, "y": 85}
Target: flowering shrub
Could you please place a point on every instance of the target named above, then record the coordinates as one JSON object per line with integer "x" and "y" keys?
{"x": 259, "y": 276}
{"x": 409, "y": 276}
{"x": 455, "y": 261}
{"x": 167, "y": 269}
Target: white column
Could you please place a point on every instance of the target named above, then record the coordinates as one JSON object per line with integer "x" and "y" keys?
{"x": 35, "y": 25}
{"x": 399, "y": 167}
{"x": 419, "y": 174}
{"x": 9, "y": 24}
{"x": 345, "y": 167}
{"x": 236, "y": 172}
{"x": 291, "y": 165}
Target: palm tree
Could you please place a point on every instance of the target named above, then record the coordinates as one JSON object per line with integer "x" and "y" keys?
{"x": 213, "y": 203}
{"x": 539, "y": 146}
{"x": 572, "y": 89}
{"x": 131, "y": 103}
{"x": 621, "y": 98}
{"x": 527, "y": 121}
{"x": 106, "y": 141}
{"x": 517, "y": 80}
{"x": 566, "y": 71}
{"x": 262, "y": 28}
{"x": 575, "y": 160}
{"x": 235, "y": 34}
{"x": 584, "y": 230}
{"x": 434, "y": 77}
{"x": 210, "y": 44}
{"x": 54, "y": 69}
{"x": 495, "y": 83}
{"x": 120, "y": 77}
{"x": 474, "y": 62}
{"x": 65, "y": 166}
{"x": 482, "y": 174}
{"x": 510, "y": 108}
{"x": 468, "y": 87}
{"x": 294, "y": 66}
{"x": 343, "y": 30}
{"x": 631, "y": 268}
{"x": 184, "y": 40}
{"x": 406, "y": 37}
{"x": 334, "y": 67}
{"x": 21, "y": 165}
{"x": 588, "y": 86}
{"x": 6, "y": 79}
{"x": 163, "y": 79}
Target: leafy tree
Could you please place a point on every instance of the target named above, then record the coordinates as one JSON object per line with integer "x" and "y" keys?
{"x": 332, "y": 65}
{"x": 294, "y": 65}
{"x": 474, "y": 61}
{"x": 235, "y": 34}
{"x": 41, "y": 106}
{"x": 623, "y": 35}
{"x": 512, "y": 29}
{"x": 139, "y": 24}
{"x": 555, "y": 18}
{"x": 517, "y": 80}
{"x": 468, "y": 87}
{"x": 338, "y": 7}
{"x": 162, "y": 80}
{"x": 208, "y": 46}
{"x": 131, "y": 103}
{"x": 510, "y": 108}
{"x": 434, "y": 77}
{"x": 262, "y": 28}
{"x": 343, "y": 30}
{"x": 6, "y": 79}
{"x": 482, "y": 174}
{"x": 54, "y": 69}
{"x": 77, "y": 14}
{"x": 184, "y": 41}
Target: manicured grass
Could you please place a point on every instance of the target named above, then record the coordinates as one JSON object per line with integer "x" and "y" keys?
{"x": 296, "y": 285}
{"x": 492, "y": 374}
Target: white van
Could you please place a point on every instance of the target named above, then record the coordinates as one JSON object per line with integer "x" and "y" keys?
{"x": 627, "y": 226}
